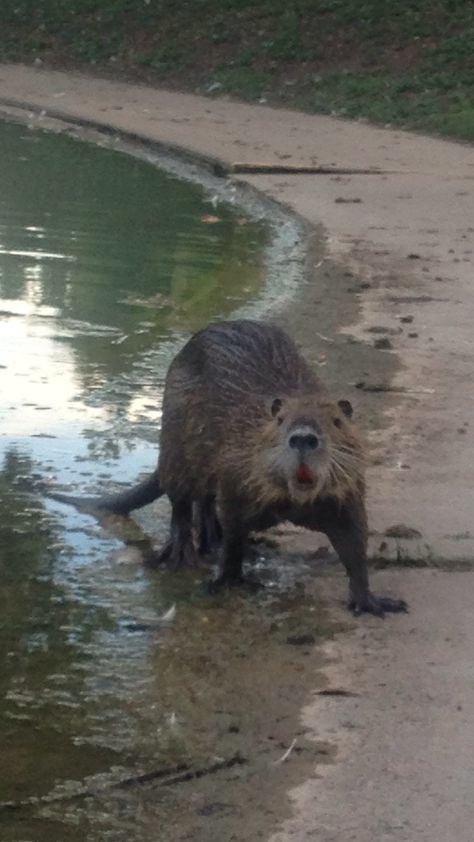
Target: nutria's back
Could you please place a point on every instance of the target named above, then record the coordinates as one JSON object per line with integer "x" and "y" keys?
{"x": 248, "y": 357}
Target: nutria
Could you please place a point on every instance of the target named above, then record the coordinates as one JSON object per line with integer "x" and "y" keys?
{"x": 247, "y": 426}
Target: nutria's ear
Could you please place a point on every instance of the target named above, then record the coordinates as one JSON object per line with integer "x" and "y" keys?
{"x": 276, "y": 406}
{"x": 346, "y": 407}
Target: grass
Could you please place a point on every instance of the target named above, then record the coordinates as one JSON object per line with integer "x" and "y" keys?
{"x": 385, "y": 60}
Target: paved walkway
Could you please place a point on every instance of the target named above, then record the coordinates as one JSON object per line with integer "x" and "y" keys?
{"x": 407, "y": 739}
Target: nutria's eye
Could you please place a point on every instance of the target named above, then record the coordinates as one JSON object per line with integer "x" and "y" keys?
{"x": 337, "y": 422}
{"x": 276, "y": 406}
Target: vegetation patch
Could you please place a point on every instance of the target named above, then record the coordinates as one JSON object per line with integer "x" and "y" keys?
{"x": 403, "y": 64}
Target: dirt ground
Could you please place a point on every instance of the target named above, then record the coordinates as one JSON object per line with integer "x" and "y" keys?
{"x": 396, "y": 214}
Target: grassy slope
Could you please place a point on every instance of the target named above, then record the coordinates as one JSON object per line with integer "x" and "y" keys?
{"x": 390, "y": 61}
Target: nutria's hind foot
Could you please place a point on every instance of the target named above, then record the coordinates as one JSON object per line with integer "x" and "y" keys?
{"x": 179, "y": 551}
{"x": 175, "y": 555}
{"x": 377, "y": 605}
{"x": 244, "y": 582}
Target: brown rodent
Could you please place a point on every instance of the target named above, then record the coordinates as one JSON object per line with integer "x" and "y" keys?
{"x": 248, "y": 428}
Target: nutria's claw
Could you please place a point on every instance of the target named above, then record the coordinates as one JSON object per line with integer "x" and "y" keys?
{"x": 377, "y": 605}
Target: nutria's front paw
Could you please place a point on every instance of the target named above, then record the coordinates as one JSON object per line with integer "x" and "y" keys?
{"x": 377, "y": 605}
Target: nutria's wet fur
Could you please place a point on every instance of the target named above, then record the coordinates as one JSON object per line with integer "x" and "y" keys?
{"x": 248, "y": 426}
{"x": 248, "y": 429}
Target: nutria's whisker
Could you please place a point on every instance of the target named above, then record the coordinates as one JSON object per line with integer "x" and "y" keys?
{"x": 339, "y": 469}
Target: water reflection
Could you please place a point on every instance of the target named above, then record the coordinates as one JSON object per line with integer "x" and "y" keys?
{"x": 42, "y": 633}
{"x": 103, "y": 262}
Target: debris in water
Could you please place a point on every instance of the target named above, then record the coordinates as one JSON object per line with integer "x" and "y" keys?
{"x": 155, "y": 301}
{"x": 169, "y": 615}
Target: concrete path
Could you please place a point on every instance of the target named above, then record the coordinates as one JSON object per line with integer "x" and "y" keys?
{"x": 406, "y": 738}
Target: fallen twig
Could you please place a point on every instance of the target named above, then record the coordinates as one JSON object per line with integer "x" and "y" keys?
{"x": 165, "y": 777}
{"x": 303, "y": 169}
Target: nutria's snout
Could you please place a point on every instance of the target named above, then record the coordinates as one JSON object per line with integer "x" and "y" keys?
{"x": 303, "y": 441}
{"x": 306, "y": 444}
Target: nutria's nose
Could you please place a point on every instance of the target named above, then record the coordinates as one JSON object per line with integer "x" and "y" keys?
{"x": 300, "y": 441}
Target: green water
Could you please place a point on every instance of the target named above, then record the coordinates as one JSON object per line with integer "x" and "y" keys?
{"x": 105, "y": 263}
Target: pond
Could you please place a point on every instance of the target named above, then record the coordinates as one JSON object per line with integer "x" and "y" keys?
{"x": 106, "y": 264}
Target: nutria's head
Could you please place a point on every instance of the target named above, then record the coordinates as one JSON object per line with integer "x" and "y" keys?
{"x": 313, "y": 447}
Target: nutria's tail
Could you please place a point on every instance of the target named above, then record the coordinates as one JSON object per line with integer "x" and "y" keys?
{"x": 118, "y": 504}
